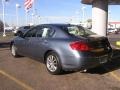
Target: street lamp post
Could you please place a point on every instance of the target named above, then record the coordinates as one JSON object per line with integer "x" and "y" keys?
{"x": 39, "y": 19}
{"x": 17, "y": 18}
{"x": 109, "y": 16}
{"x": 109, "y": 19}
{"x": 3, "y": 16}
{"x": 78, "y": 16}
{"x": 83, "y": 14}
{"x": 33, "y": 18}
{"x": 36, "y": 19}
{"x": 26, "y": 16}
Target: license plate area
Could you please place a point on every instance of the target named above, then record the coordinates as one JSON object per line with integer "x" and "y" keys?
{"x": 103, "y": 59}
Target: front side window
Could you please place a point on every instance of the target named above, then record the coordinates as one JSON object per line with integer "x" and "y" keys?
{"x": 39, "y": 32}
{"x": 31, "y": 33}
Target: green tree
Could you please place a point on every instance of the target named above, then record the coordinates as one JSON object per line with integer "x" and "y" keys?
{"x": 89, "y": 20}
{"x": 89, "y": 23}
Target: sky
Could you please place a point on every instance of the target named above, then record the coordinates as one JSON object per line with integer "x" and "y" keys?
{"x": 52, "y": 11}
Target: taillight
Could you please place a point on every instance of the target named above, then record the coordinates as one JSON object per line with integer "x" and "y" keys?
{"x": 80, "y": 46}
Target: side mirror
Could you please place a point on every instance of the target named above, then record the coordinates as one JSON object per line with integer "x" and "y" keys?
{"x": 15, "y": 34}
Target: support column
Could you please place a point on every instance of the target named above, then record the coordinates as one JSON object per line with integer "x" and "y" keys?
{"x": 100, "y": 17}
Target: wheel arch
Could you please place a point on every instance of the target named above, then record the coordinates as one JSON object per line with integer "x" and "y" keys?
{"x": 59, "y": 65}
{"x": 48, "y": 51}
{"x": 11, "y": 43}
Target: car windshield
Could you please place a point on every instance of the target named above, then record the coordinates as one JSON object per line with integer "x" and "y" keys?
{"x": 77, "y": 31}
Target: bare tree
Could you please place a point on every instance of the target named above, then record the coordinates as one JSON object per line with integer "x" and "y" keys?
{"x": 1, "y": 26}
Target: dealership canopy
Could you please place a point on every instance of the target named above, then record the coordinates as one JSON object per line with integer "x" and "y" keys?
{"x": 100, "y": 14}
{"x": 111, "y": 2}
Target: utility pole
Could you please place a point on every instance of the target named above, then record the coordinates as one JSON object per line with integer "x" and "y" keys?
{"x": 83, "y": 13}
{"x": 33, "y": 13}
{"x": 3, "y": 17}
{"x": 17, "y": 18}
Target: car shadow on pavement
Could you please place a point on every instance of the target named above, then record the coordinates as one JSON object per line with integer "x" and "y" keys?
{"x": 113, "y": 65}
{"x": 4, "y": 44}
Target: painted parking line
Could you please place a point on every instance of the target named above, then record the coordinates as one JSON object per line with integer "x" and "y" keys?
{"x": 16, "y": 80}
{"x": 113, "y": 74}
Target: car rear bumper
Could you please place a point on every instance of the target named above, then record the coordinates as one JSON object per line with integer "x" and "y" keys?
{"x": 85, "y": 62}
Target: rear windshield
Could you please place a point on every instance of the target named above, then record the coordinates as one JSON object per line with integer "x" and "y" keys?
{"x": 77, "y": 30}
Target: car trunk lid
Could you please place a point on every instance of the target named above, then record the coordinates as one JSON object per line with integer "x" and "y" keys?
{"x": 98, "y": 44}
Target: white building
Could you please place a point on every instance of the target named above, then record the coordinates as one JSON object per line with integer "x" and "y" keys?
{"x": 113, "y": 24}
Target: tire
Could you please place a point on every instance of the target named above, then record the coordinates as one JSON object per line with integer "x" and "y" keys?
{"x": 13, "y": 51}
{"x": 53, "y": 64}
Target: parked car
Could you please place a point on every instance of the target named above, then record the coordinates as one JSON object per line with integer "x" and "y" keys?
{"x": 62, "y": 47}
{"x": 112, "y": 30}
{"x": 9, "y": 29}
{"x": 22, "y": 29}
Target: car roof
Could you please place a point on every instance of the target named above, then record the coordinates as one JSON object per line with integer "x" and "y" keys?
{"x": 57, "y": 25}
{"x": 25, "y": 26}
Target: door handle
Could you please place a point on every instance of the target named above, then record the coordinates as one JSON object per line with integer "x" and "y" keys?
{"x": 45, "y": 41}
{"x": 27, "y": 38}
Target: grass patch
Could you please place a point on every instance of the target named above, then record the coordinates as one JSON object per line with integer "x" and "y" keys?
{"x": 9, "y": 36}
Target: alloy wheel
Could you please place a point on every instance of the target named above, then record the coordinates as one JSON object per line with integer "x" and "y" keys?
{"x": 52, "y": 63}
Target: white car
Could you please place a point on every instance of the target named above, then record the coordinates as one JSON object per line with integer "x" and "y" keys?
{"x": 9, "y": 28}
{"x": 111, "y": 30}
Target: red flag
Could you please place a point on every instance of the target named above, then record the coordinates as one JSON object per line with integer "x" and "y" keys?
{"x": 28, "y": 4}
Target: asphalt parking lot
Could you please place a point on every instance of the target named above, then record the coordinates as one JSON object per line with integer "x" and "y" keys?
{"x": 28, "y": 74}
